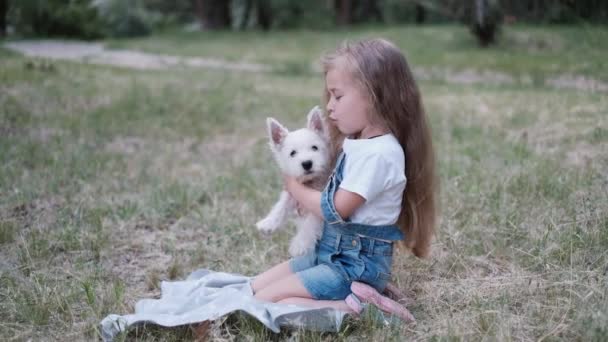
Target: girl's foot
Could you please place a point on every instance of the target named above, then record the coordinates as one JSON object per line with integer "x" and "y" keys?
{"x": 354, "y": 304}
{"x": 393, "y": 292}
{"x": 365, "y": 293}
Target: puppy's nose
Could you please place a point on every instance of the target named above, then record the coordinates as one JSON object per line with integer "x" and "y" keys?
{"x": 307, "y": 165}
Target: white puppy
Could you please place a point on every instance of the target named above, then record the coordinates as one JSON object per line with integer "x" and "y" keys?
{"x": 304, "y": 154}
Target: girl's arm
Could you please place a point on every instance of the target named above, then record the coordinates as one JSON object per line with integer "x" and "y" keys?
{"x": 346, "y": 202}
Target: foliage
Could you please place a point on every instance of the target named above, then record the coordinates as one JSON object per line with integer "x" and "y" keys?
{"x": 396, "y": 11}
{"x": 75, "y": 18}
{"x": 556, "y": 11}
{"x": 175, "y": 10}
{"x": 91, "y": 19}
{"x": 87, "y": 19}
{"x": 295, "y": 13}
{"x": 124, "y": 18}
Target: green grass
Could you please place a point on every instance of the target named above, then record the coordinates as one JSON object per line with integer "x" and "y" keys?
{"x": 523, "y": 51}
{"x": 112, "y": 180}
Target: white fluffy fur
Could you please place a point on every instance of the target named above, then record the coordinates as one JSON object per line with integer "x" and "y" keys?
{"x": 304, "y": 154}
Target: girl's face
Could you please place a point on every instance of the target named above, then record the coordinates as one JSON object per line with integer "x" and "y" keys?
{"x": 348, "y": 106}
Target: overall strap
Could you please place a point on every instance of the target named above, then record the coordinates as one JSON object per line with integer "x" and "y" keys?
{"x": 339, "y": 169}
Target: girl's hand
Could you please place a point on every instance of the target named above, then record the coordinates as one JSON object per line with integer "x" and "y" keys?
{"x": 289, "y": 182}
{"x": 307, "y": 198}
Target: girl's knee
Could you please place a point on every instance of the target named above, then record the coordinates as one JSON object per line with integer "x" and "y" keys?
{"x": 289, "y": 286}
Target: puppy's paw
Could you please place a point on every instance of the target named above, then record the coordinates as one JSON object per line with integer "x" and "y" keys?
{"x": 298, "y": 247}
{"x": 266, "y": 226}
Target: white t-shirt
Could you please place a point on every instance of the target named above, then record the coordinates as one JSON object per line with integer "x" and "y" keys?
{"x": 375, "y": 169}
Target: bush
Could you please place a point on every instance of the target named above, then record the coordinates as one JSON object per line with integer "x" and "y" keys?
{"x": 75, "y": 18}
{"x": 396, "y": 11}
{"x": 164, "y": 13}
{"x": 180, "y": 10}
{"x": 125, "y": 18}
{"x": 310, "y": 14}
{"x": 85, "y": 19}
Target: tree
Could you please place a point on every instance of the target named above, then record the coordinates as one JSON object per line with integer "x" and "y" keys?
{"x": 264, "y": 14}
{"x": 344, "y": 12}
{"x": 485, "y": 19}
{"x": 213, "y": 14}
{"x": 420, "y": 14}
{"x": 3, "y": 12}
{"x": 248, "y": 4}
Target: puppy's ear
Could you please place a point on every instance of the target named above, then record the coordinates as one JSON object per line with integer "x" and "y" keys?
{"x": 315, "y": 121}
{"x": 276, "y": 131}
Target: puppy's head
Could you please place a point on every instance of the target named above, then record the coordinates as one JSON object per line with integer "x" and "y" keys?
{"x": 303, "y": 153}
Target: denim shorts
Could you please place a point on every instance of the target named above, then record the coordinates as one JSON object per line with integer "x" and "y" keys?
{"x": 338, "y": 260}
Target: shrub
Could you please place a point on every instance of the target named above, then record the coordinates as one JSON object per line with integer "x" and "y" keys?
{"x": 124, "y": 18}
{"x": 310, "y": 14}
{"x": 75, "y": 18}
{"x": 396, "y": 11}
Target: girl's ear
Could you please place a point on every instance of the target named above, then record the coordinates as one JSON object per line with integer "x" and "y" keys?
{"x": 315, "y": 121}
{"x": 276, "y": 131}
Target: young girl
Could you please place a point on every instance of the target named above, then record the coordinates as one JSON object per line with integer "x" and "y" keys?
{"x": 376, "y": 112}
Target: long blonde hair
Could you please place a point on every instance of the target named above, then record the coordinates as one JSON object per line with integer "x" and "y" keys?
{"x": 382, "y": 71}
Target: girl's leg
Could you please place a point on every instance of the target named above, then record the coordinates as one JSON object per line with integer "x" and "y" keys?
{"x": 272, "y": 275}
{"x": 313, "y": 303}
{"x": 286, "y": 287}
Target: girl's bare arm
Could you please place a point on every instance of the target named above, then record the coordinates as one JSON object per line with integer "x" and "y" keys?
{"x": 346, "y": 202}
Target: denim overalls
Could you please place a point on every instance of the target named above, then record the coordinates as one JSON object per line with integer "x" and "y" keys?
{"x": 342, "y": 255}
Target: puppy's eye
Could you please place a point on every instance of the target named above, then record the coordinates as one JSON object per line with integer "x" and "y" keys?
{"x": 292, "y": 154}
{"x": 315, "y": 148}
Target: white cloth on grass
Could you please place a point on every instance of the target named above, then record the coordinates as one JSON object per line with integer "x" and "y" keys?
{"x": 207, "y": 295}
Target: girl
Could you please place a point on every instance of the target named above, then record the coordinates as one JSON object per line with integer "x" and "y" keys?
{"x": 377, "y": 116}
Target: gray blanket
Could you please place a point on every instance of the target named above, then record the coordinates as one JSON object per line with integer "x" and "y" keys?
{"x": 207, "y": 295}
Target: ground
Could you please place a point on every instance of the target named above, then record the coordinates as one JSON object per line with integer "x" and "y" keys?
{"x": 113, "y": 179}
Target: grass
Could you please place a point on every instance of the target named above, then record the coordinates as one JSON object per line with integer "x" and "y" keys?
{"x": 112, "y": 180}
{"x": 528, "y": 52}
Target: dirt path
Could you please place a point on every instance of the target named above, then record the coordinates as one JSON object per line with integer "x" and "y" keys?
{"x": 95, "y": 53}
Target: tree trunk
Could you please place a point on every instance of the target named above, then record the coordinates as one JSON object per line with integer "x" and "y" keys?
{"x": 480, "y": 12}
{"x": 344, "y": 12}
{"x": 420, "y": 14}
{"x": 3, "y": 11}
{"x": 264, "y": 14}
{"x": 485, "y": 22}
{"x": 246, "y": 14}
{"x": 213, "y": 14}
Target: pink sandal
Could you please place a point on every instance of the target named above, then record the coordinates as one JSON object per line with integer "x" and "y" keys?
{"x": 367, "y": 294}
